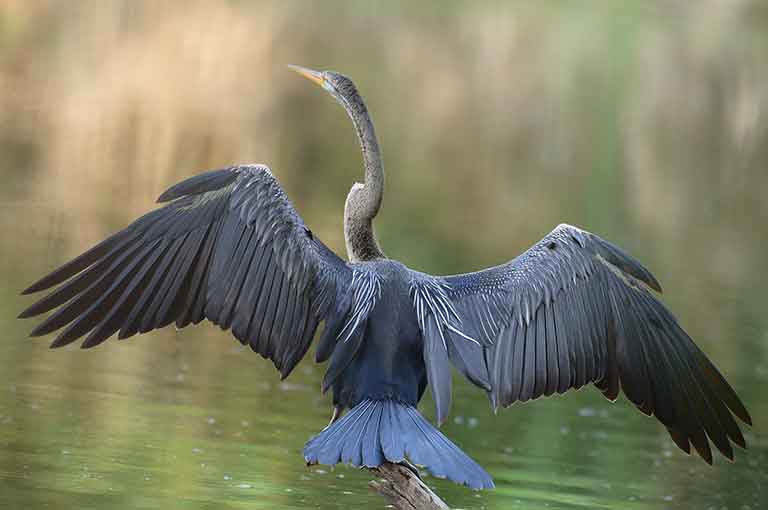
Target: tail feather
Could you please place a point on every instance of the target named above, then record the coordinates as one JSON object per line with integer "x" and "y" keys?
{"x": 375, "y": 431}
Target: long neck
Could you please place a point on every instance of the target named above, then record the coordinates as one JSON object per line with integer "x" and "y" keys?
{"x": 364, "y": 200}
{"x": 360, "y": 240}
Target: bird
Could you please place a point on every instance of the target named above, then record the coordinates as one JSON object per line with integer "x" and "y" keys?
{"x": 228, "y": 246}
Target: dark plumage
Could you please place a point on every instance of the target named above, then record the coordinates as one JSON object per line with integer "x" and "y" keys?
{"x": 229, "y": 247}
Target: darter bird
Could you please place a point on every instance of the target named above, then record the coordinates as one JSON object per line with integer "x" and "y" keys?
{"x": 229, "y": 247}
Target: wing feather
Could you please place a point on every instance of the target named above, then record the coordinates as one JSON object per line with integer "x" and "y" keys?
{"x": 228, "y": 246}
{"x": 80, "y": 303}
{"x": 551, "y": 348}
{"x": 575, "y": 309}
{"x": 542, "y": 375}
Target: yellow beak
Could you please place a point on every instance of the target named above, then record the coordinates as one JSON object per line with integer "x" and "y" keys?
{"x": 309, "y": 74}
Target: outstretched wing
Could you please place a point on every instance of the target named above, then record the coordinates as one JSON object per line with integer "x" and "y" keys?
{"x": 575, "y": 309}
{"x": 228, "y": 247}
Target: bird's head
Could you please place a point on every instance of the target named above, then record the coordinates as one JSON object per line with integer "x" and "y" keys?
{"x": 336, "y": 84}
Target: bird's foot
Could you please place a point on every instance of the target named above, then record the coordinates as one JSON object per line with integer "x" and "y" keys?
{"x": 335, "y": 416}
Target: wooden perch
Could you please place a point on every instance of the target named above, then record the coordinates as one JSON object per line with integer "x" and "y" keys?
{"x": 404, "y": 489}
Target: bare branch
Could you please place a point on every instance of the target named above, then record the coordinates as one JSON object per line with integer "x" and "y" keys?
{"x": 404, "y": 489}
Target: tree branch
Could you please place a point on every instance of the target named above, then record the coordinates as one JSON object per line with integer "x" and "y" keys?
{"x": 404, "y": 489}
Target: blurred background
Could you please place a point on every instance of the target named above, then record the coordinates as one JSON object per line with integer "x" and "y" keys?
{"x": 645, "y": 122}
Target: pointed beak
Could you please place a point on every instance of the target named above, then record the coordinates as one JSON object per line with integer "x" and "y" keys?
{"x": 309, "y": 74}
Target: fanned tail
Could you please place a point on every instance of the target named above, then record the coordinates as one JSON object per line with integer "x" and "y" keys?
{"x": 375, "y": 431}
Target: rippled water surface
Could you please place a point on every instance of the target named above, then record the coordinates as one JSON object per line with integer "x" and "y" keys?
{"x": 156, "y": 423}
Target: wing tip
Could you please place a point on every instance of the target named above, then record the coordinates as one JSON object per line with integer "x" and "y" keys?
{"x": 705, "y": 453}
{"x": 325, "y": 385}
{"x": 206, "y": 181}
{"x": 744, "y": 416}
{"x": 41, "y": 329}
{"x": 165, "y": 196}
{"x": 739, "y": 441}
{"x": 701, "y": 445}
{"x": 653, "y": 283}
{"x": 95, "y": 338}
{"x": 35, "y": 287}
{"x": 57, "y": 343}
{"x": 26, "y": 313}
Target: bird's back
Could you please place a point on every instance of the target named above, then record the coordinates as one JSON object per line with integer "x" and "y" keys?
{"x": 388, "y": 362}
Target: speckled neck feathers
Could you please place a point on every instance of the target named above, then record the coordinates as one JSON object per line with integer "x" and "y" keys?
{"x": 360, "y": 240}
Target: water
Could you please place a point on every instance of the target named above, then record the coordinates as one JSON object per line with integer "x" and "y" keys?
{"x": 191, "y": 420}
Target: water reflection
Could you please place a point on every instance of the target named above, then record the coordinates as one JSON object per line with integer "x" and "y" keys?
{"x": 650, "y": 134}
{"x": 152, "y": 423}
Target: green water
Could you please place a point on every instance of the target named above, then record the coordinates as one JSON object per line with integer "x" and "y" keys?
{"x": 191, "y": 420}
